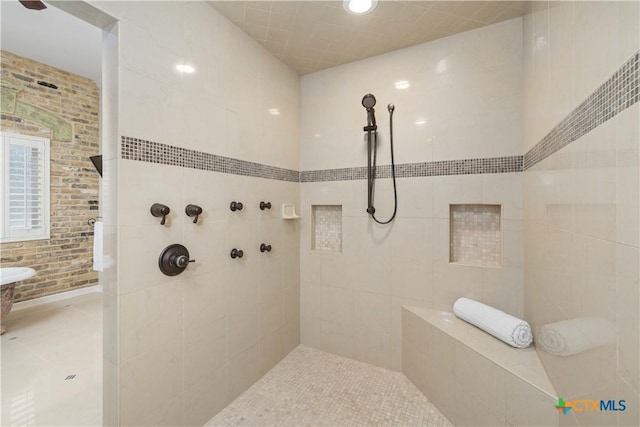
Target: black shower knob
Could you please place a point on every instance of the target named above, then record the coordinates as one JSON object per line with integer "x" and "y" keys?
{"x": 160, "y": 210}
{"x": 193, "y": 211}
{"x": 265, "y": 247}
{"x": 265, "y": 205}
{"x": 236, "y": 253}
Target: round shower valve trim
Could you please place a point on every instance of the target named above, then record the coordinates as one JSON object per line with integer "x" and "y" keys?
{"x": 174, "y": 259}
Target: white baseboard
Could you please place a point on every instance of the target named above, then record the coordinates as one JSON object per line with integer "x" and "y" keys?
{"x": 55, "y": 297}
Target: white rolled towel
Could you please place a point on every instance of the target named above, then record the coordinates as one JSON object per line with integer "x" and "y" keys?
{"x": 569, "y": 337}
{"x": 515, "y": 332}
{"x": 98, "y": 252}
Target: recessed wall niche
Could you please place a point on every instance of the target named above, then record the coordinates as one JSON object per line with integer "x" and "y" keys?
{"x": 475, "y": 235}
{"x": 327, "y": 228}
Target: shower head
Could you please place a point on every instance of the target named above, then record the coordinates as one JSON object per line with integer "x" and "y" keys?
{"x": 368, "y": 101}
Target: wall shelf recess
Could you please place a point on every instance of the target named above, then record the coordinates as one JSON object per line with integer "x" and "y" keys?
{"x": 289, "y": 212}
{"x": 326, "y": 228}
{"x": 475, "y": 233}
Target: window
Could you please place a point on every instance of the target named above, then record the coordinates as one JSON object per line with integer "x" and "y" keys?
{"x": 24, "y": 163}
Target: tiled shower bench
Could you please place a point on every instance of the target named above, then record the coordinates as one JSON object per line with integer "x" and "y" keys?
{"x": 472, "y": 377}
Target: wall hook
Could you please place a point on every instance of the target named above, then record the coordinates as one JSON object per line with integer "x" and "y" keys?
{"x": 92, "y": 221}
{"x": 265, "y": 205}
{"x": 236, "y": 253}
{"x": 193, "y": 211}
{"x": 264, "y": 247}
{"x": 235, "y": 206}
{"x": 160, "y": 210}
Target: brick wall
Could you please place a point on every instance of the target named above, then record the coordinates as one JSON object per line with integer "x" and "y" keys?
{"x": 64, "y": 261}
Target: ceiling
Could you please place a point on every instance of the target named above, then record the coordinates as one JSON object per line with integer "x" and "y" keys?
{"x": 52, "y": 37}
{"x": 312, "y": 35}
{"x": 307, "y": 35}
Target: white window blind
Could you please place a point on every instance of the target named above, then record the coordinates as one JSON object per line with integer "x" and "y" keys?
{"x": 25, "y": 187}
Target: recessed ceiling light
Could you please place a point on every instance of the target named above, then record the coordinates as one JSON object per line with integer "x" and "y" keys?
{"x": 359, "y": 7}
{"x": 274, "y": 111}
{"x": 402, "y": 84}
{"x": 420, "y": 122}
{"x": 185, "y": 68}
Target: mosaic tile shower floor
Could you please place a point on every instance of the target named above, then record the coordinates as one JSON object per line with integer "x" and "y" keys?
{"x": 313, "y": 388}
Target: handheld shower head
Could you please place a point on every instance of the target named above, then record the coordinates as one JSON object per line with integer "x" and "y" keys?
{"x": 368, "y": 101}
{"x": 391, "y": 107}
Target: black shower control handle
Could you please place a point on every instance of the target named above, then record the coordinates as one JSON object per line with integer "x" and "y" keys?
{"x": 182, "y": 261}
{"x": 236, "y": 253}
{"x": 265, "y": 247}
{"x": 235, "y": 206}
{"x": 265, "y": 205}
{"x": 193, "y": 211}
{"x": 160, "y": 210}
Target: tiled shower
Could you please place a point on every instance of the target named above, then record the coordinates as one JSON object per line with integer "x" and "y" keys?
{"x": 581, "y": 189}
{"x": 458, "y": 144}
{"x": 517, "y": 149}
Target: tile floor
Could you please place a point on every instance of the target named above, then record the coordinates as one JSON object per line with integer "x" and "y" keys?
{"x": 313, "y": 388}
{"x": 44, "y": 345}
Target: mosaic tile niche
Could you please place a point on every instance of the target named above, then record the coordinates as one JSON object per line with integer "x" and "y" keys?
{"x": 475, "y": 235}
{"x": 327, "y": 228}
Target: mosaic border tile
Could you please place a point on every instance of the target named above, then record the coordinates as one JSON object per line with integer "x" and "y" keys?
{"x": 414, "y": 170}
{"x": 619, "y": 92}
{"x": 155, "y": 152}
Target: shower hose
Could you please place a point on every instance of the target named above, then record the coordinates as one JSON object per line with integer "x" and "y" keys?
{"x": 371, "y": 175}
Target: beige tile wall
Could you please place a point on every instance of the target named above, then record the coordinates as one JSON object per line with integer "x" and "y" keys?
{"x": 185, "y": 346}
{"x": 467, "y": 88}
{"x": 464, "y": 101}
{"x": 581, "y": 203}
{"x": 109, "y": 211}
{"x": 222, "y": 323}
